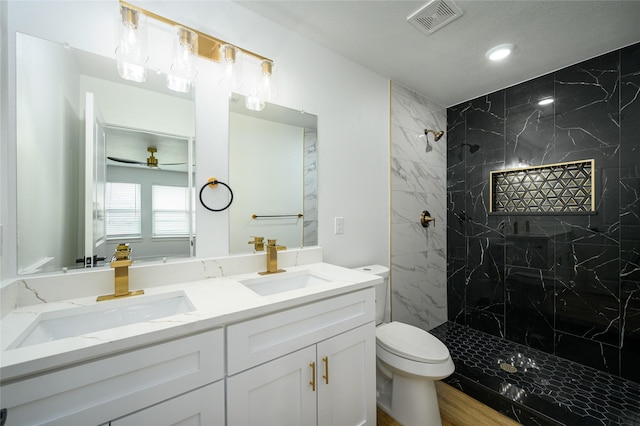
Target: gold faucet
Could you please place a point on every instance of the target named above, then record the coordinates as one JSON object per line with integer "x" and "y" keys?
{"x": 121, "y": 261}
{"x": 258, "y": 243}
{"x": 272, "y": 258}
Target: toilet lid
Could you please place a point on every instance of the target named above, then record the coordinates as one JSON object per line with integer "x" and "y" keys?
{"x": 411, "y": 342}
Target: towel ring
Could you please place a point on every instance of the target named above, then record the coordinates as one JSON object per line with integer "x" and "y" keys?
{"x": 213, "y": 182}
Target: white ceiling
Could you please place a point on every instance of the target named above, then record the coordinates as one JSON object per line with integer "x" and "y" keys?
{"x": 449, "y": 65}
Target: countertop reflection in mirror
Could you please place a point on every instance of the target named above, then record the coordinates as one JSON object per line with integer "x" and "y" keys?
{"x": 273, "y": 168}
{"x": 85, "y": 181}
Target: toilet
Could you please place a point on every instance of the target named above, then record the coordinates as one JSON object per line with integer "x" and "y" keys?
{"x": 408, "y": 361}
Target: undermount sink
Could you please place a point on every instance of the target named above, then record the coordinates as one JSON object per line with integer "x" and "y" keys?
{"x": 55, "y": 325}
{"x": 285, "y": 281}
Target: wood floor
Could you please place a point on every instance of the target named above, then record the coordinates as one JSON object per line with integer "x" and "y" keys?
{"x": 458, "y": 409}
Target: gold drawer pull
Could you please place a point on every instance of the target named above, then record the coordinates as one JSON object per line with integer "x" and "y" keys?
{"x": 313, "y": 376}
{"x": 326, "y": 369}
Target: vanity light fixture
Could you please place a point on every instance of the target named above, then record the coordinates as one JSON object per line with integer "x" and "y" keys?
{"x": 545, "y": 101}
{"x": 499, "y": 52}
{"x": 185, "y": 55}
{"x": 131, "y": 53}
{"x": 207, "y": 47}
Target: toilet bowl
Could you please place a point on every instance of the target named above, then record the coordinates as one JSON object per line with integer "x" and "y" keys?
{"x": 409, "y": 360}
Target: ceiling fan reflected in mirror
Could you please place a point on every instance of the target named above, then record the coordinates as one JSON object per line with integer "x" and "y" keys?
{"x": 152, "y": 161}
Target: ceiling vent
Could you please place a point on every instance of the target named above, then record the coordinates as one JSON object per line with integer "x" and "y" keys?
{"x": 434, "y": 15}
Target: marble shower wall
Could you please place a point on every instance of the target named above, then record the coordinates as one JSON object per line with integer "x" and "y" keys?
{"x": 418, "y": 182}
{"x": 565, "y": 284}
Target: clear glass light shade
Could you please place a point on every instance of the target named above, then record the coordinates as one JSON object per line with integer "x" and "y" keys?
{"x": 231, "y": 67}
{"x": 185, "y": 57}
{"x": 266, "y": 87}
{"x": 254, "y": 103}
{"x": 131, "y": 54}
{"x": 267, "y": 81}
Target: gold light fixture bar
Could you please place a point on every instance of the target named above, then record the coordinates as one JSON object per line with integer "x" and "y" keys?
{"x": 208, "y": 46}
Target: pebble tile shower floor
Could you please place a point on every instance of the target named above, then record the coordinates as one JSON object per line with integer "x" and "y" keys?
{"x": 534, "y": 387}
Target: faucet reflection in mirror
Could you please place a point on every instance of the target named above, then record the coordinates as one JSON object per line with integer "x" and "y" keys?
{"x": 189, "y": 44}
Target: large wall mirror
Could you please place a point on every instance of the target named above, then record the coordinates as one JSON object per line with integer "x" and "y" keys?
{"x": 84, "y": 181}
{"x": 87, "y": 144}
{"x": 273, "y": 170}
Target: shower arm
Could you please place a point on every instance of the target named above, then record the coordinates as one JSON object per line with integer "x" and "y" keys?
{"x": 437, "y": 134}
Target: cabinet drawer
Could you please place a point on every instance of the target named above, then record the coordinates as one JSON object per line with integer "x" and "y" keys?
{"x": 262, "y": 339}
{"x": 101, "y": 390}
{"x": 201, "y": 407}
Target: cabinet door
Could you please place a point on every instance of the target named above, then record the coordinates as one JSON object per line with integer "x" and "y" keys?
{"x": 276, "y": 393}
{"x": 346, "y": 376}
{"x": 201, "y": 407}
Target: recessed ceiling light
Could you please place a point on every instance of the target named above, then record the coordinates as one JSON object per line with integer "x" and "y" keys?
{"x": 499, "y": 52}
{"x": 545, "y": 101}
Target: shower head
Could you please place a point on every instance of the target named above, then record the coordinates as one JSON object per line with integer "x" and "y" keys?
{"x": 437, "y": 134}
{"x": 472, "y": 148}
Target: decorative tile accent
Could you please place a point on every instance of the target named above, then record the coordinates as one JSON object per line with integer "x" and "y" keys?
{"x": 554, "y": 188}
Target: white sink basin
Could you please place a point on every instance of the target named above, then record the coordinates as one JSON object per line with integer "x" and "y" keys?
{"x": 282, "y": 282}
{"x": 50, "y": 326}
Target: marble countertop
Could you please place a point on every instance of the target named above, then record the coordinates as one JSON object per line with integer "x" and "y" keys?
{"x": 216, "y": 302}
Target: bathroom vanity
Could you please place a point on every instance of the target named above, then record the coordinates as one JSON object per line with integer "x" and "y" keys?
{"x": 302, "y": 353}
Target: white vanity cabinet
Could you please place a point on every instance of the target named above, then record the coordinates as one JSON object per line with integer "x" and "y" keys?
{"x": 105, "y": 389}
{"x": 314, "y": 364}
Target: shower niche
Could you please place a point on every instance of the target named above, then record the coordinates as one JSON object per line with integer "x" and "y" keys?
{"x": 553, "y": 188}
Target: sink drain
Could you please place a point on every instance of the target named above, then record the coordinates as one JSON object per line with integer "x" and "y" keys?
{"x": 508, "y": 367}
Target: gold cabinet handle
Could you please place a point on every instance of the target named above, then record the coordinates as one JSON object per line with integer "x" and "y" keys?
{"x": 313, "y": 376}
{"x": 326, "y": 369}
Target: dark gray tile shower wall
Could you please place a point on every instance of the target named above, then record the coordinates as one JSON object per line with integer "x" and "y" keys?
{"x": 565, "y": 284}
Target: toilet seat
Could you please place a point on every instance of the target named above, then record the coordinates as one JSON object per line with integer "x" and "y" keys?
{"x": 412, "y": 343}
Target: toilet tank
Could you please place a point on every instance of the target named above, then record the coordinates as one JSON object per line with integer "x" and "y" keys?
{"x": 383, "y": 301}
